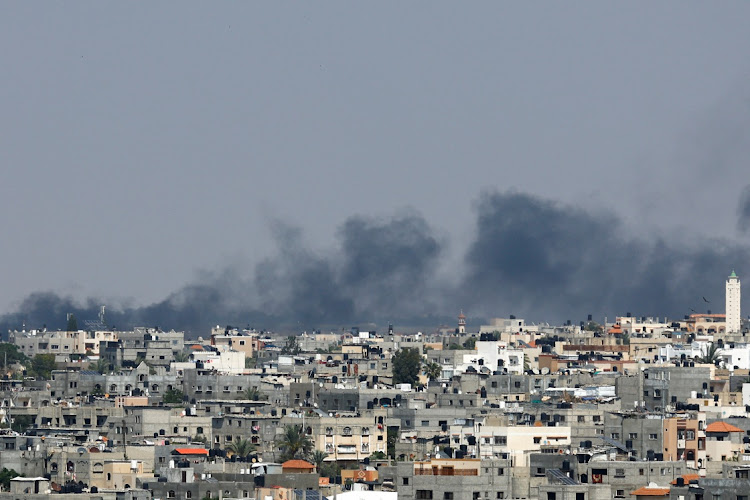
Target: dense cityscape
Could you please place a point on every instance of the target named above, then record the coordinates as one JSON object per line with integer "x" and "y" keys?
{"x": 632, "y": 407}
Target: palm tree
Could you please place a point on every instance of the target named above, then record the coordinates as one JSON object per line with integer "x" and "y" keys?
{"x": 241, "y": 448}
{"x": 317, "y": 457}
{"x": 294, "y": 443}
{"x": 254, "y": 394}
{"x": 432, "y": 370}
{"x": 181, "y": 357}
{"x": 712, "y": 354}
{"x": 102, "y": 365}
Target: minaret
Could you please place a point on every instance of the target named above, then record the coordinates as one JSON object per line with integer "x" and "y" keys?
{"x": 733, "y": 320}
{"x": 461, "y": 323}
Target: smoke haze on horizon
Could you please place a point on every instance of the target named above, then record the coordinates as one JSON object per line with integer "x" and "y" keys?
{"x": 532, "y": 257}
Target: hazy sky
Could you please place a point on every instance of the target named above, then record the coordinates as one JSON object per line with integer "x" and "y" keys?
{"x": 144, "y": 144}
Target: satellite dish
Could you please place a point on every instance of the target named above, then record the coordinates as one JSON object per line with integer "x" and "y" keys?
{"x": 545, "y": 370}
{"x": 81, "y": 451}
{"x": 536, "y": 371}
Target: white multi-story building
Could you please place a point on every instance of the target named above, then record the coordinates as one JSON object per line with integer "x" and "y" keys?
{"x": 734, "y": 324}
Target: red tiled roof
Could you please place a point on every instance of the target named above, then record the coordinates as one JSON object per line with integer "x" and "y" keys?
{"x": 646, "y": 491}
{"x": 191, "y": 451}
{"x": 687, "y": 478}
{"x": 297, "y": 464}
{"x": 722, "y": 427}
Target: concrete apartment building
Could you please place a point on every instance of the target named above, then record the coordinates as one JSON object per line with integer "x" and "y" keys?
{"x": 449, "y": 479}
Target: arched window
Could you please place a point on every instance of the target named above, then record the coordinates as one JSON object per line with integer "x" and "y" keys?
{"x": 365, "y": 431}
{"x": 171, "y": 494}
{"x": 113, "y": 388}
{"x": 98, "y": 468}
{"x": 329, "y": 431}
{"x": 199, "y": 430}
{"x": 188, "y": 494}
{"x": 347, "y": 431}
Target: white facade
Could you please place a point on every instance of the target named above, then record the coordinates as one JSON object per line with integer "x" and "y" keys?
{"x": 733, "y": 304}
{"x": 493, "y": 356}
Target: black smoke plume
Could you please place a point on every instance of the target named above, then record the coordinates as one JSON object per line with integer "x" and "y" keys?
{"x": 541, "y": 259}
{"x": 380, "y": 269}
{"x": 743, "y": 211}
{"x": 531, "y": 257}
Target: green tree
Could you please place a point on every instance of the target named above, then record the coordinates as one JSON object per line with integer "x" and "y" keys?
{"x": 294, "y": 443}
{"x": 72, "y": 323}
{"x": 712, "y": 354}
{"x": 173, "y": 396}
{"x": 470, "y": 343}
{"x": 390, "y": 441}
{"x": 291, "y": 346}
{"x": 42, "y": 366}
{"x": 102, "y": 366}
{"x": 11, "y": 353}
{"x": 241, "y": 448}
{"x": 181, "y": 357}
{"x": 593, "y": 326}
{"x": 21, "y": 423}
{"x": 254, "y": 394}
{"x": 432, "y": 370}
{"x": 406, "y": 364}
{"x": 5, "y": 477}
{"x": 317, "y": 457}
{"x": 378, "y": 455}
{"x": 330, "y": 469}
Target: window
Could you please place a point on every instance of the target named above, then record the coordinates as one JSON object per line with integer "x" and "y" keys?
{"x": 619, "y": 472}
{"x": 619, "y": 493}
{"x": 501, "y": 440}
{"x": 596, "y": 418}
{"x": 347, "y": 431}
{"x": 652, "y": 437}
{"x": 633, "y": 435}
{"x": 424, "y": 495}
{"x": 581, "y": 419}
{"x": 537, "y": 440}
{"x": 500, "y": 471}
{"x": 448, "y": 495}
{"x": 425, "y": 423}
{"x": 500, "y": 495}
{"x": 615, "y": 435}
{"x": 329, "y": 431}
{"x": 405, "y": 481}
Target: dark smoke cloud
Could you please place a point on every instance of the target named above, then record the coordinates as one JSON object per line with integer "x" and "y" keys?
{"x": 743, "y": 211}
{"x": 531, "y": 257}
{"x": 374, "y": 273}
{"x": 540, "y": 259}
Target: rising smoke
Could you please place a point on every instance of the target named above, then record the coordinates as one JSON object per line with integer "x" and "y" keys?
{"x": 531, "y": 257}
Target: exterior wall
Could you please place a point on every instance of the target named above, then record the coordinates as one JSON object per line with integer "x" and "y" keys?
{"x": 454, "y": 480}
{"x": 733, "y": 296}
{"x": 624, "y": 477}
{"x": 684, "y": 439}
